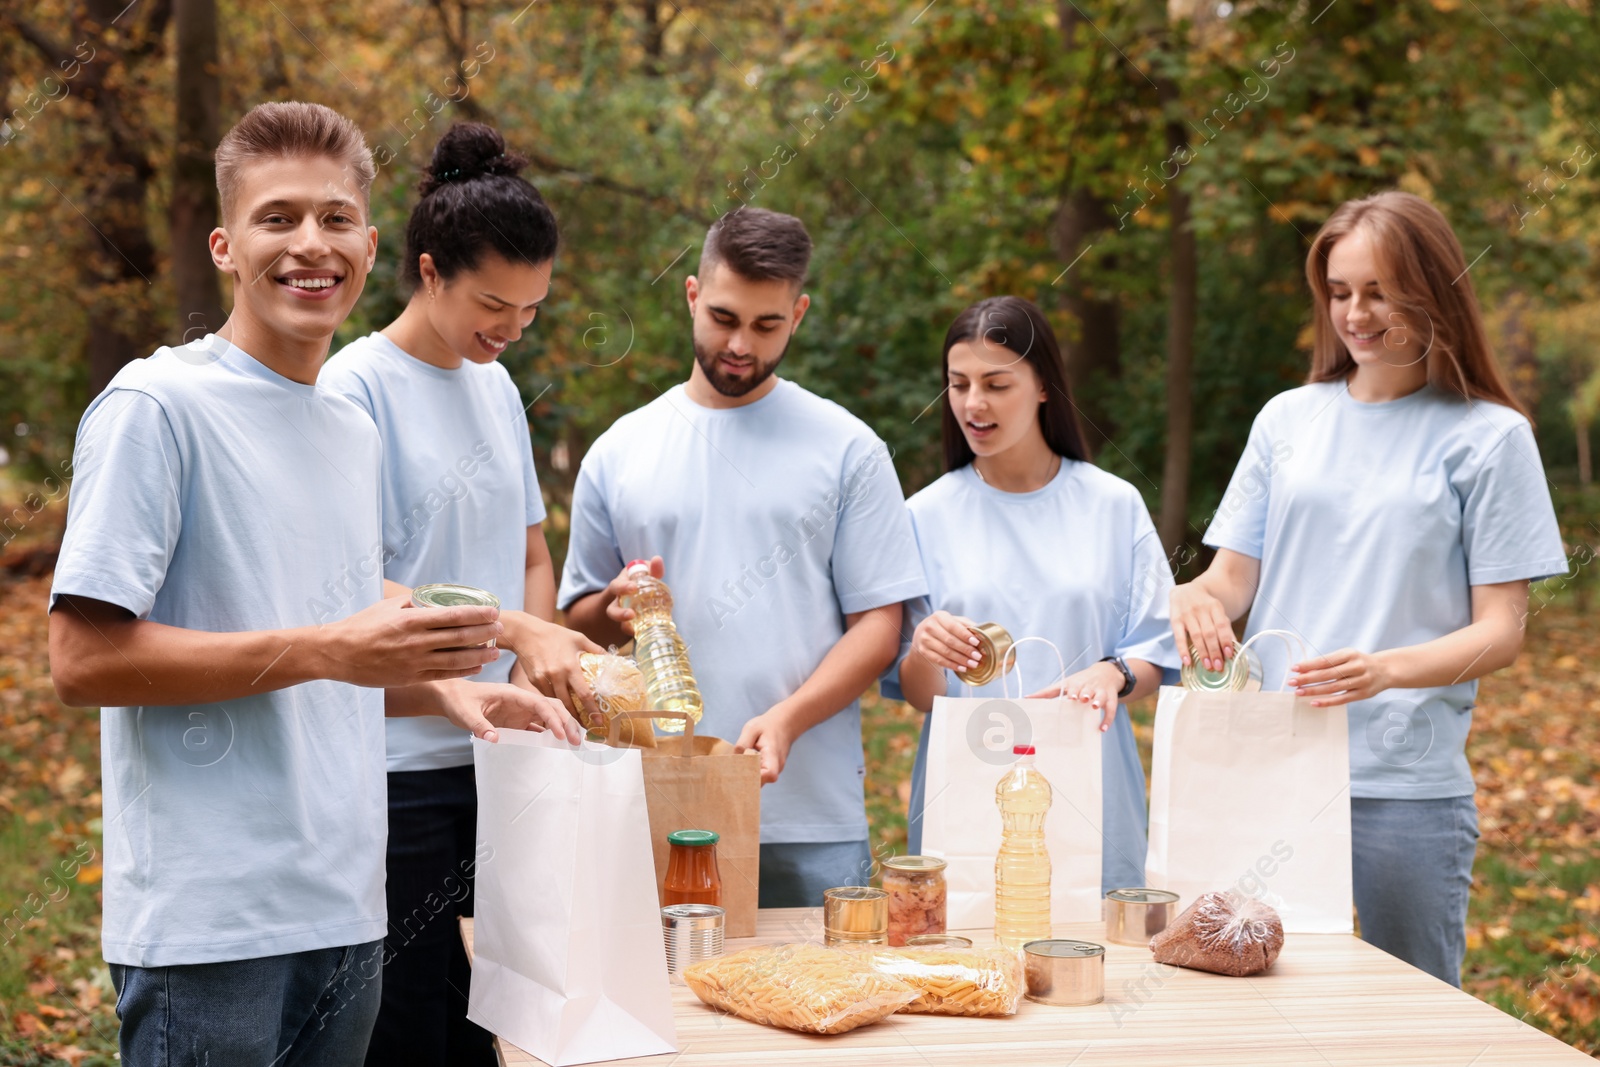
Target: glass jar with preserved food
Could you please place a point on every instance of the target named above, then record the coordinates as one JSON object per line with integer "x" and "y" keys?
{"x": 692, "y": 875}
{"x": 916, "y": 889}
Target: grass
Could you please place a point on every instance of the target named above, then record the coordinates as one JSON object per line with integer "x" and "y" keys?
{"x": 1533, "y": 926}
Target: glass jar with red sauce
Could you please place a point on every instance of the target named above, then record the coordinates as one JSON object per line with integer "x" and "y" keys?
{"x": 692, "y": 875}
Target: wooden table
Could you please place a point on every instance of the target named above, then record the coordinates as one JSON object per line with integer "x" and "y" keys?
{"x": 1331, "y": 999}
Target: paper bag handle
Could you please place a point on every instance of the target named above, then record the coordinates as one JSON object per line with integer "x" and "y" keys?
{"x": 1291, "y": 641}
{"x": 614, "y": 734}
{"x": 1011, "y": 654}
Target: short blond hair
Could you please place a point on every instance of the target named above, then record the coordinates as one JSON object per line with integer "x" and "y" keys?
{"x": 295, "y": 130}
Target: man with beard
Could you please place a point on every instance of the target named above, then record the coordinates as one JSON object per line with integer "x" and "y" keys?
{"x": 777, "y": 518}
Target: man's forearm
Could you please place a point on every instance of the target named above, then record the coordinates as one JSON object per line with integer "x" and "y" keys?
{"x": 424, "y": 698}
{"x": 98, "y": 659}
{"x": 865, "y": 651}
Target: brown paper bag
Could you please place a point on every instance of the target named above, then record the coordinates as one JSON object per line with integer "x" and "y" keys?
{"x": 700, "y": 783}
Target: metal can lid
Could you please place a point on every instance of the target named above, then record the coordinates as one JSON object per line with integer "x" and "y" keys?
{"x": 938, "y": 941}
{"x": 1063, "y": 948}
{"x": 693, "y": 837}
{"x": 1142, "y": 895}
{"x": 450, "y": 595}
{"x": 1022, "y": 750}
{"x": 692, "y": 917}
{"x": 915, "y": 863}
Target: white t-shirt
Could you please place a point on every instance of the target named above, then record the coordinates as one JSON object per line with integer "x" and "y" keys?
{"x": 1372, "y": 522}
{"x": 459, "y": 493}
{"x": 775, "y": 520}
{"x": 1076, "y": 562}
{"x": 213, "y": 494}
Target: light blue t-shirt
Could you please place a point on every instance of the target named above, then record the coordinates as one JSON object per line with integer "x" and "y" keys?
{"x": 1076, "y": 562}
{"x": 775, "y": 521}
{"x": 213, "y": 494}
{"x": 1372, "y": 522}
{"x": 459, "y": 493}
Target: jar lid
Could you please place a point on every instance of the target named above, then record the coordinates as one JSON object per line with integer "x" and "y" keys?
{"x": 915, "y": 863}
{"x": 693, "y": 837}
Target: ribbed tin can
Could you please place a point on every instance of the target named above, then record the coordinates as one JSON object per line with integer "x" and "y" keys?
{"x": 693, "y": 932}
{"x": 450, "y": 595}
{"x": 1134, "y": 916}
{"x": 994, "y": 642}
{"x": 1239, "y": 674}
{"x": 1065, "y": 973}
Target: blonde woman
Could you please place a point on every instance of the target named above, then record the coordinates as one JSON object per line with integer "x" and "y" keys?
{"x": 1405, "y": 511}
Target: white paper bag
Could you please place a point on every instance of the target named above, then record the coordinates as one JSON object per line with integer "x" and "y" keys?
{"x": 969, "y": 751}
{"x": 1251, "y": 791}
{"x": 569, "y": 962}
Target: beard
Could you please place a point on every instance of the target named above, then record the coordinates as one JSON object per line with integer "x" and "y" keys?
{"x": 728, "y": 385}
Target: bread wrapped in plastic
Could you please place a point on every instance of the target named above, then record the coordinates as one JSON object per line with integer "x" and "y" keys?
{"x": 956, "y": 981}
{"x": 808, "y": 988}
{"x": 1224, "y": 933}
{"x": 618, "y": 687}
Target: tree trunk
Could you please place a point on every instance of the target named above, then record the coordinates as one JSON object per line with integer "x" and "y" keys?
{"x": 1095, "y": 349}
{"x": 1174, "y": 520}
{"x": 192, "y": 213}
{"x": 1585, "y": 461}
{"x": 1097, "y": 346}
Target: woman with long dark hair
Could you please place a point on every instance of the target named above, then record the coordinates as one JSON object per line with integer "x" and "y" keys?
{"x": 1390, "y": 512}
{"x": 461, "y": 504}
{"x": 1025, "y": 531}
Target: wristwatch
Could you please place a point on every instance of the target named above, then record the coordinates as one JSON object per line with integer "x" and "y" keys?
{"x": 1128, "y": 680}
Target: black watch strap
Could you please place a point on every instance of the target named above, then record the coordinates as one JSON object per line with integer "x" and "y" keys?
{"x": 1128, "y": 680}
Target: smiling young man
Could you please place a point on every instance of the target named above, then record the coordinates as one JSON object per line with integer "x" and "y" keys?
{"x": 219, "y": 595}
{"x": 780, "y": 525}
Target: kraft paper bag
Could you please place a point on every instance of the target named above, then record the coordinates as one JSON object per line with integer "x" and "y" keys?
{"x": 969, "y": 750}
{"x": 1251, "y": 791}
{"x": 697, "y": 782}
{"x": 569, "y": 962}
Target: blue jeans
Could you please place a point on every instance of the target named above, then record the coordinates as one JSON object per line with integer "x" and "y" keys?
{"x": 303, "y": 1009}
{"x": 1413, "y": 874}
{"x": 433, "y": 819}
{"x": 796, "y": 875}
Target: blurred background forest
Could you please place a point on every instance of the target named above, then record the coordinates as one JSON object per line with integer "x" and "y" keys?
{"x": 1149, "y": 172}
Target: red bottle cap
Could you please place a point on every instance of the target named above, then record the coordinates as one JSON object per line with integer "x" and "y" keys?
{"x": 1022, "y": 750}
{"x": 637, "y": 562}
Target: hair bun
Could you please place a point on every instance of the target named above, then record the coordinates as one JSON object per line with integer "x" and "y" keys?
{"x": 469, "y": 150}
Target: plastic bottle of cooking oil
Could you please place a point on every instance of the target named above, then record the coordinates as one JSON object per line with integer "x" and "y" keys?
{"x": 1022, "y": 869}
{"x": 661, "y": 654}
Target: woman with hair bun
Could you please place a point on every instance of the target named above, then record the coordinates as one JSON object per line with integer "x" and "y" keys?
{"x": 1391, "y": 513}
{"x": 461, "y": 503}
{"x": 1025, "y": 531}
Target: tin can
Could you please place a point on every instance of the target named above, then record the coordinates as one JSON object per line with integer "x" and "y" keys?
{"x": 1134, "y": 916}
{"x": 855, "y": 915}
{"x": 994, "y": 648}
{"x": 1065, "y": 973}
{"x": 693, "y": 932}
{"x": 1240, "y": 674}
{"x": 938, "y": 941}
{"x": 449, "y": 595}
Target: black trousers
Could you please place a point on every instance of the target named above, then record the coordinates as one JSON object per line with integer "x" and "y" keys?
{"x": 433, "y": 817}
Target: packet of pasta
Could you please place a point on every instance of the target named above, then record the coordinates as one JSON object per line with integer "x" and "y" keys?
{"x": 965, "y": 981}
{"x": 808, "y": 988}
